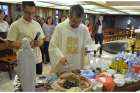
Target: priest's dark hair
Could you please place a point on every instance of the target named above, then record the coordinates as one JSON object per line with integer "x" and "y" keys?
{"x": 28, "y": 3}
{"x": 76, "y": 10}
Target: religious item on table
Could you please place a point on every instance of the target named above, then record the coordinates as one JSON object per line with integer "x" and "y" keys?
{"x": 70, "y": 82}
{"x": 108, "y": 83}
{"x": 26, "y": 66}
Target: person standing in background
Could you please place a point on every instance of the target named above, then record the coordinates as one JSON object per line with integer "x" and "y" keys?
{"x": 63, "y": 18}
{"x": 48, "y": 29}
{"x": 89, "y": 25}
{"x": 99, "y": 33}
{"x": 8, "y": 19}
{"x": 4, "y": 26}
{"x": 42, "y": 21}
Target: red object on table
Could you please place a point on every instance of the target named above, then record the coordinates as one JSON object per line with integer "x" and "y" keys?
{"x": 107, "y": 81}
{"x": 136, "y": 68}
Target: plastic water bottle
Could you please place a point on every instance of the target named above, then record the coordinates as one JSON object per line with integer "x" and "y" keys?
{"x": 129, "y": 72}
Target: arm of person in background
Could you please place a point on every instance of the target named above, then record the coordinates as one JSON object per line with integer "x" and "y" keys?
{"x": 45, "y": 32}
{"x": 57, "y": 58}
{"x": 3, "y": 41}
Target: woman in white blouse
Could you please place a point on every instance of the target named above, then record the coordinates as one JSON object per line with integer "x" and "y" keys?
{"x": 4, "y": 27}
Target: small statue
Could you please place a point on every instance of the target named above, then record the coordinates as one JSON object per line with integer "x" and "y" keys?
{"x": 26, "y": 66}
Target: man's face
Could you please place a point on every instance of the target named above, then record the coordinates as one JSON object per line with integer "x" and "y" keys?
{"x": 29, "y": 12}
{"x": 74, "y": 21}
{"x": 63, "y": 19}
{"x": 1, "y": 16}
{"x": 101, "y": 18}
{"x": 87, "y": 22}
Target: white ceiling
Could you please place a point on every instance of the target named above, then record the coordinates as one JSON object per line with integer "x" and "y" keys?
{"x": 92, "y": 6}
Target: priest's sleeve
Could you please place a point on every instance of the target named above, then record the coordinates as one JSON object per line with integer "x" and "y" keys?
{"x": 55, "y": 52}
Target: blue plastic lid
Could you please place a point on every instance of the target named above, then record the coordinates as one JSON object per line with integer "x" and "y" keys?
{"x": 130, "y": 63}
{"x": 88, "y": 74}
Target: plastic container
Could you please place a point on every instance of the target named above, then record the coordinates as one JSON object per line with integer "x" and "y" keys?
{"x": 136, "y": 68}
{"x": 88, "y": 74}
{"x": 119, "y": 82}
{"x": 129, "y": 72}
{"x": 97, "y": 86}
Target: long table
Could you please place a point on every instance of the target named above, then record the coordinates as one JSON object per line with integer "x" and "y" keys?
{"x": 126, "y": 88}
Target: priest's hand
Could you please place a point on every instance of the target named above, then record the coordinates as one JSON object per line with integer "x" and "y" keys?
{"x": 63, "y": 61}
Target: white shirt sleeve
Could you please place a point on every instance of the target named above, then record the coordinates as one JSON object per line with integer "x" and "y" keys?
{"x": 13, "y": 32}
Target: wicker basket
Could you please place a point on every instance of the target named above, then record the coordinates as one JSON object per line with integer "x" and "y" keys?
{"x": 85, "y": 84}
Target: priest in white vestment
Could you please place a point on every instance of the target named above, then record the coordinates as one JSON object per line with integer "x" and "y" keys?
{"x": 68, "y": 42}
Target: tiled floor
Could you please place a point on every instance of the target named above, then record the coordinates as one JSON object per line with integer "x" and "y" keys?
{"x": 7, "y": 85}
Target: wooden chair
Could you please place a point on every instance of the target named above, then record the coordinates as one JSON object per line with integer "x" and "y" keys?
{"x": 8, "y": 61}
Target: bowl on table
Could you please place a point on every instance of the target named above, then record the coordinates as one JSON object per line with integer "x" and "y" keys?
{"x": 111, "y": 72}
{"x": 119, "y": 76}
{"x": 119, "y": 82}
